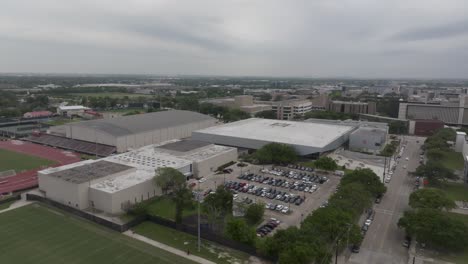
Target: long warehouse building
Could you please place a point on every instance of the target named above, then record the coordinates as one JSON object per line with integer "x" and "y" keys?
{"x": 115, "y": 183}
{"x": 307, "y": 138}
{"x": 135, "y": 131}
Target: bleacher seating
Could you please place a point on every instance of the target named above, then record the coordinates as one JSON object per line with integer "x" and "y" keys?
{"x": 72, "y": 144}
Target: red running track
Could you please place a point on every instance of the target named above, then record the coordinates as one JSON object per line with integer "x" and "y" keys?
{"x": 28, "y": 179}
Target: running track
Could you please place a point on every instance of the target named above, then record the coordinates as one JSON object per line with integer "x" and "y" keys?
{"x": 28, "y": 179}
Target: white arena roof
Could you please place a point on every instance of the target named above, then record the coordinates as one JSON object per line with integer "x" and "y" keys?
{"x": 253, "y": 133}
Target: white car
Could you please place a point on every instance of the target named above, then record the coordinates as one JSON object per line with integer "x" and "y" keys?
{"x": 202, "y": 180}
{"x": 279, "y": 207}
{"x": 368, "y": 222}
{"x": 285, "y": 210}
{"x": 407, "y": 159}
{"x": 404, "y": 167}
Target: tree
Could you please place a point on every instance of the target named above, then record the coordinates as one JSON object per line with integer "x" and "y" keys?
{"x": 169, "y": 180}
{"x": 276, "y": 153}
{"x": 368, "y": 179}
{"x": 435, "y": 173}
{"x": 435, "y": 229}
{"x": 353, "y": 197}
{"x": 435, "y": 154}
{"x": 430, "y": 198}
{"x": 172, "y": 180}
{"x": 267, "y": 114}
{"x": 218, "y": 205}
{"x": 254, "y": 213}
{"x": 182, "y": 199}
{"x": 326, "y": 163}
{"x": 238, "y": 230}
{"x": 299, "y": 253}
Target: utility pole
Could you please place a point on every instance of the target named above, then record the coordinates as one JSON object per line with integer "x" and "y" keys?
{"x": 385, "y": 166}
{"x": 198, "y": 200}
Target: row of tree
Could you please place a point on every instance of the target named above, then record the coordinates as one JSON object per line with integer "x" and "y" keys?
{"x": 429, "y": 223}
{"x": 330, "y": 227}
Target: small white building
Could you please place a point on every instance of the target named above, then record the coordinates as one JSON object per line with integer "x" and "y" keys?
{"x": 112, "y": 184}
{"x": 368, "y": 139}
{"x": 71, "y": 110}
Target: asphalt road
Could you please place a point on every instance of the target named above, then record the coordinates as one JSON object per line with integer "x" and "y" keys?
{"x": 383, "y": 241}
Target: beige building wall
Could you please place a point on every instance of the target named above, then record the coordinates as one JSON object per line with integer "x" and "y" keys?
{"x": 208, "y": 166}
{"x": 69, "y": 193}
{"x": 113, "y": 203}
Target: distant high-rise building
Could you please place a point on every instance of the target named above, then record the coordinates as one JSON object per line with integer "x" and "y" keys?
{"x": 352, "y": 107}
{"x": 288, "y": 110}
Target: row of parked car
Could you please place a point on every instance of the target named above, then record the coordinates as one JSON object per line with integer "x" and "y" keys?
{"x": 303, "y": 185}
{"x": 265, "y": 229}
{"x": 268, "y": 192}
{"x": 278, "y": 207}
{"x": 296, "y": 175}
{"x": 299, "y": 167}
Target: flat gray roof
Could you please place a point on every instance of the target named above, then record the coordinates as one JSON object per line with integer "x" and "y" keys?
{"x": 127, "y": 125}
{"x": 185, "y": 145}
{"x": 90, "y": 171}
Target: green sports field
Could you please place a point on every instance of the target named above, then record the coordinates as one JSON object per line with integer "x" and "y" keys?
{"x": 36, "y": 234}
{"x": 10, "y": 160}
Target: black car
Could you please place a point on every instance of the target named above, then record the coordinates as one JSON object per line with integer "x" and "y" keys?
{"x": 355, "y": 249}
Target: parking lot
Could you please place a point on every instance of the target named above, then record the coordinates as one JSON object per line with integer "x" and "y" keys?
{"x": 289, "y": 193}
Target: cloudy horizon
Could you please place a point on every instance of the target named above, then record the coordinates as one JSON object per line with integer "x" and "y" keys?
{"x": 321, "y": 38}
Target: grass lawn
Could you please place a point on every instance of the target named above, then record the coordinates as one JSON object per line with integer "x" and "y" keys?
{"x": 183, "y": 241}
{"x": 63, "y": 121}
{"x": 6, "y": 205}
{"x": 456, "y": 191}
{"x": 164, "y": 207}
{"x": 309, "y": 164}
{"x": 453, "y": 160}
{"x": 10, "y": 160}
{"x": 36, "y": 234}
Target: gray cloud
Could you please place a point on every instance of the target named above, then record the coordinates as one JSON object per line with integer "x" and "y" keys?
{"x": 262, "y": 37}
{"x": 434, "y": 32}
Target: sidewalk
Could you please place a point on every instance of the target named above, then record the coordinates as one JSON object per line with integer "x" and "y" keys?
{"x": 167, "y": 248}
{"x": 17, "y": 204}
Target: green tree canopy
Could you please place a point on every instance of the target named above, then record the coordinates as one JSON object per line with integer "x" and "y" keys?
{"x": 238, "y": 230}
{"x": 430, "y": 198}
{"x": 218, "y": 205}
{"x": 435, "y": 173}
{"x": 276, "y": 153}
{"x": 326, "y": 163}
{"x": 352, "y": 196}
{"x": 169, "y": 180}
{"x": 368, "y": 179}
{"x": 268, "y": 114}
{"x": 254, "y": 213}
{"x": 172, "y": 180}
{"x": 435, "y": 228}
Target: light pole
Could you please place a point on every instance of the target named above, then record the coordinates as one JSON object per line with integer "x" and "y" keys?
{"x": 198, "y": 201}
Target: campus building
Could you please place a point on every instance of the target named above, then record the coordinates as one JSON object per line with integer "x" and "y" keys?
{"x": 115, "y": 183}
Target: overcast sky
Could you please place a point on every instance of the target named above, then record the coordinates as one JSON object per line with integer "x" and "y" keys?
{"x": 310, "y": 38}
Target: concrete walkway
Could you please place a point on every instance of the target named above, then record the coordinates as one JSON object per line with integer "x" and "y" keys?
{"x": 167, "y": 248}
{"x": 17, "y": 204}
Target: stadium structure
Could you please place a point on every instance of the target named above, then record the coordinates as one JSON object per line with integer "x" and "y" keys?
{"x": 114, "y": 183}
{"x": 125, "y": 133}
{"x": 307, "y": 138}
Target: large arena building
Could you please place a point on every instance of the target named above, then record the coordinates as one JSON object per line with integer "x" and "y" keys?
{"x": 306, "y": 137}
{"x": 135, "y": 131}
{"x": 114, "y": 183}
